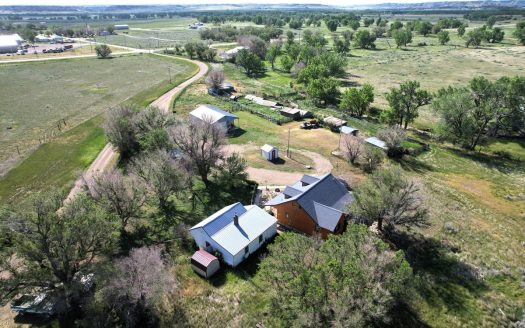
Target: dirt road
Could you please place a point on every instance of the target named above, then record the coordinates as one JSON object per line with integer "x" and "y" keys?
{"x": 109, "y": 156}
{"x": 275, "y": 177}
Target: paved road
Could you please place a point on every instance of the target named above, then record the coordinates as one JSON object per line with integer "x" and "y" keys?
{"x": 109, "y": 156}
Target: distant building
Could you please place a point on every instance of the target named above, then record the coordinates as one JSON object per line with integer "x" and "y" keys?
{"x": 121, "y": 27}
{"x": 214, "y": 115}
{"x": 313, "y": 205}
{"x": 49, "y": 38}
{"x": 230, "y": 54}
{"x": 9, "y": 43}
{"x": 236, "y": 231}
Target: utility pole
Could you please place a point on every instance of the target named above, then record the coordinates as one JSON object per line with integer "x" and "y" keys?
{"x": 288, "y": 148}
{"x": 169, "y": 72}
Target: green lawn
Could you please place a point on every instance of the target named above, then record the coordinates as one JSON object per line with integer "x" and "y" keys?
{"x": 36, "y": 96}
{"x": 56, "y": 164}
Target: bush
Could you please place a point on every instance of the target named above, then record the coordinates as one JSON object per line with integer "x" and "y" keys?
{"x": 103, "y": 51}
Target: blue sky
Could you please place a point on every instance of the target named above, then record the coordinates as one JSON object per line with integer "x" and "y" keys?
{"x": 136, "y": 2}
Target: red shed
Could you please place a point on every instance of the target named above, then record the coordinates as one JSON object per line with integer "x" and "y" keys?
{"x": 204, "y": 263}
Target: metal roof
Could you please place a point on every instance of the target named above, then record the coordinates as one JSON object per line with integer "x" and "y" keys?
{"x": 334, "y": 121}
{"x": 347, "y": 129}
{"x": 252, "y": 222}
{"x": 268, "y": 148}
{"x": 203, "y": 257}
{"x": 376, "y": 142}
{"x": 290, "y": 110}
{"x": 11, "y": 40}
{"x": 324, "y": 198}
{"x": 211, "y": 112}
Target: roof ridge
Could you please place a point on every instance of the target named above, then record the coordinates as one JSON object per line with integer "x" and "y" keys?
{"x": 216, "y": 215}
{"x": 313, "y": 184}
{"x": 229, "y": 223}
{"x": 324, "y": 205}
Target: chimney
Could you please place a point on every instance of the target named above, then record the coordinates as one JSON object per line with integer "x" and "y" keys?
{"x": 236, "y": 219}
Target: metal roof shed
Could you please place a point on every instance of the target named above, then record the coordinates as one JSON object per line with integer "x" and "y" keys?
{"x": 377, "y": 143}
{"x": 214, "y": 115}
{"x": 269, "y": 152}
{"x": 204, "y": 263}
{"x": 291, "y": 112}
{"x": 349, "y": 130}
{"x": 337, "y": 122}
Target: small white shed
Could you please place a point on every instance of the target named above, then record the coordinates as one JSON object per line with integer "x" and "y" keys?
{"x": 269, "y": 152}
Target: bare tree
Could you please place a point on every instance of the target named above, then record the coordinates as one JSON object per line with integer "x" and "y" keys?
{"x": 201, "y": 142}
{"x": 122, "y": 196}
{"x": 138, "y": 288}
{"x": 352, "y": 147}
{"x": 215, "y": 79}
{"x": 162, "y": 175}
{"x": 119, "y": 129}
{"x": 393, "y": 137}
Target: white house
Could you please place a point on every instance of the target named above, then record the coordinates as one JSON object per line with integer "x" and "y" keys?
{"x": 214, "y": 115}
{"x": 235, "y": 231}
{"x": 269, "y": 152}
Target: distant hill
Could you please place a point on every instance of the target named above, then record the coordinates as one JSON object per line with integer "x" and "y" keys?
{"x": 443, "y": 5}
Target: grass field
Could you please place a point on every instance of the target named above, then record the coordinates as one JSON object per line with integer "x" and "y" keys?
{"x": 55, "y": 164}
{"x": 79, "y": 51}
{"x": 476, "y": 204}
{"x": 74, "y": 91}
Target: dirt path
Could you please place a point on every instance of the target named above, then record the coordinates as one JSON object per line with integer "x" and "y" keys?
{"x": 108, "y": 156}
{"x": 274, "y": 177}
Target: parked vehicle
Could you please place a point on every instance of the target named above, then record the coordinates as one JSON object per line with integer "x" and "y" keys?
{"x": 312, "y": 124}
{"x": 42, "y": 304}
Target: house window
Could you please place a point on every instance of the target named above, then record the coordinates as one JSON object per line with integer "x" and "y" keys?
{"x": 260, "y": 239}
{"x": 246, "y": 250}
{"x": 208, "y": 244}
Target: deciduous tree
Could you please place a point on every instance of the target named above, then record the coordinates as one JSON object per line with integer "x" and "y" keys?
{"x": 391, "y": 200}
{"x": 201, "y": 142}
{"x": 215, "y": 79}
{"x": 365, "y": 40}
{"x": 405, "y": 102}
{"x": 103, "y": 51}
{"x": 252, "y": 64}
{"x": 163, "y": 177}
{"x": 357, "y": 101}
{"x": 56, "y": 246}
{"x": 351, "y": 280}
{"x": 443, "y": 37}
{"x": 120, "y": 195}
{"x": 120, "y": 131}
